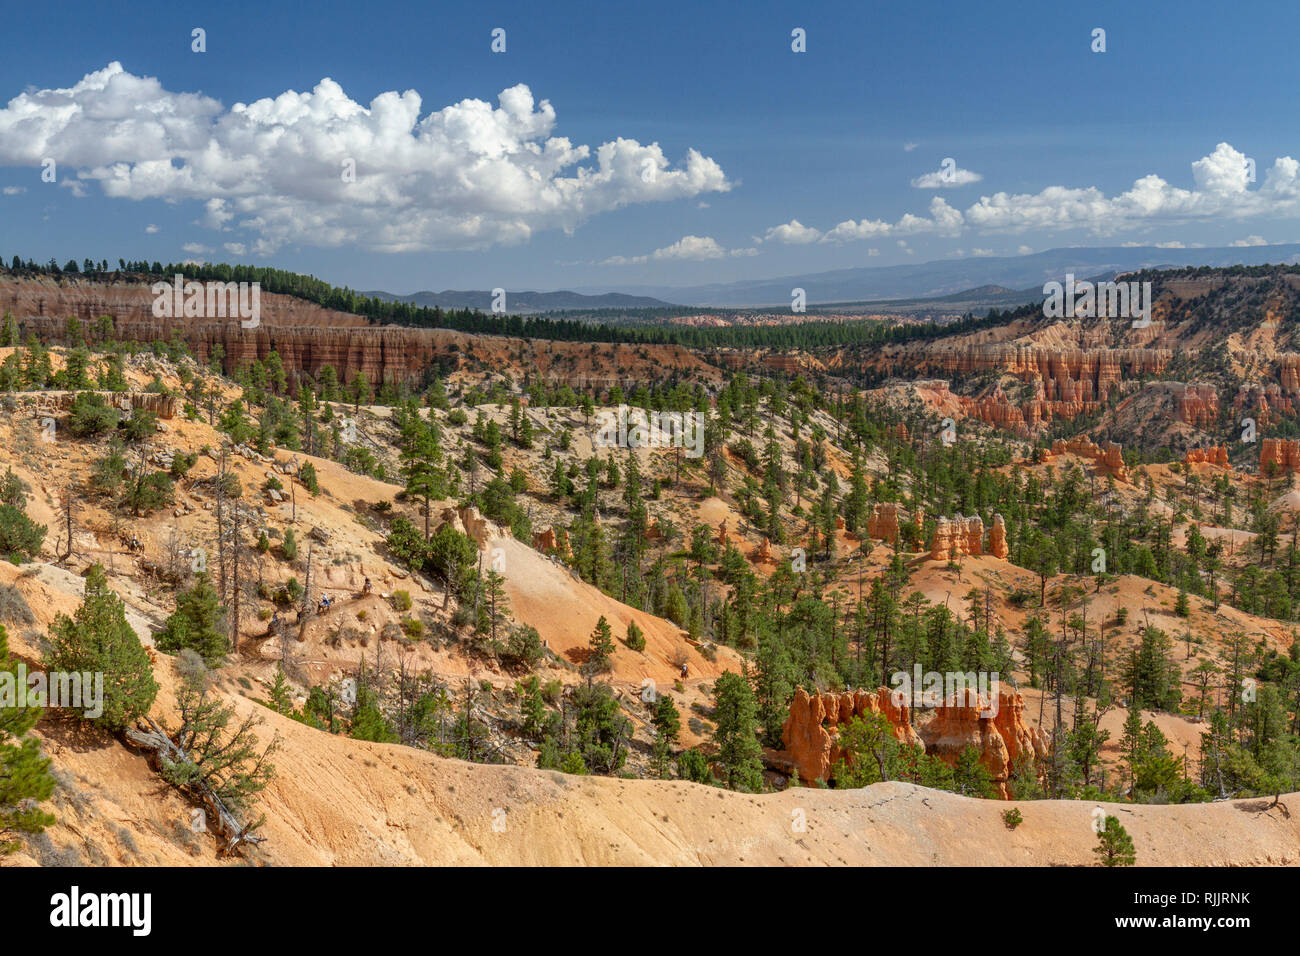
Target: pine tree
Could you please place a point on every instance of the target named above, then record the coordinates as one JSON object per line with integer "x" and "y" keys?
{"x": 198, "y": 623}
{"x": 9, "y": 335}
{"x": 221, "y": 755}
{"x": 970, "y": 777}
{"x": 422, "y": 467}
{"x": 602, "y": 647}
{"x": 635, "y": 637}
{"x": 667, "y": 722}
{"x": 734, "y": 734}
{"x": 99, "y": 639}
{"x": 1114, "y": 845}
{"x": 280, "y": 699}
{"x": 25, "y": 777}
{"x": 533, "y": 707}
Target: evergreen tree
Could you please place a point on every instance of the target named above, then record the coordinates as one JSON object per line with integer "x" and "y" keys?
{"x": 198, "y": 623}
{"x": 98, "y": 639}
{"x": 601, "y": 644}
{"x": 422, "y": 467}
{"x": 1114, "y": 845}
{"x": 667, "y": 723}
{"x": 735, "y": 733}
{"x": 25, "y": 777}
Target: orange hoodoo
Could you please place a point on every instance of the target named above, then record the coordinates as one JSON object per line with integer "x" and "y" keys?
{"x": 811, "y": 731}
{"x": 1213, "y": 455}
{"x": 1281, "y": 454}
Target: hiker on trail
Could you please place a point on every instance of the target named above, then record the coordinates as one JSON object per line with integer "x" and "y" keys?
{"x": 366, "y": 588}
{"x": 683, "y": 670}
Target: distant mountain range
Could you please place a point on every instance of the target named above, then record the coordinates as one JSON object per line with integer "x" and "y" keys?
{"x": 949, "y": 276}
{"x": 974, "y": 283}
{"x": 524, "y": 303}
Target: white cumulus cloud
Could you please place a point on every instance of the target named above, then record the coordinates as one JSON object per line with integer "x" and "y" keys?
{"x": 322, "y": 168}
{"x": 685, "y": 249}
{"x": 944, "y": 220}
{"x": 1222, "y": 190}
{"x": 792, "y": 233}
{"x": 948, "y": 176}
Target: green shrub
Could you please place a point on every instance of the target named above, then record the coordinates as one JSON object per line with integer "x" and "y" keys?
{"x": 635, "y": 637}
{"x": 307, "y": 475}
{"x": 91, "y": 415}
{"x": 20, "y": 536}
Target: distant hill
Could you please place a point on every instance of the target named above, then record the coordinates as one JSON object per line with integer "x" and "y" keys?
{"x": 523, "y": 303}
{"x": 947, "y": 277}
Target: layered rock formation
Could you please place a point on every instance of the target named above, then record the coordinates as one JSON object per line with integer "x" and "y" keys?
{"x": 552, "y": 541}
{"x": 164, "y": 406}
{"x": 883, "y": 523}
{"x": 1213, "y": 455}
{"x": 468, "y": 521}
{"x": 998, "y": 538}
{"x": 1279, "y": 455}
{"x": 811, "y": 731}
{"x": 1262, "y": 402}
{"x": 1067, "y": 382}
{"x": 957, "y": 536}
{"x": 811, "y": 728}
{"x": 1000, "y": 738}
{"x": 1198, "y": 405}
{"x": 1109, "y": 459}
{"x": 1065, "y": 374}
{"x": 308, "y": 337}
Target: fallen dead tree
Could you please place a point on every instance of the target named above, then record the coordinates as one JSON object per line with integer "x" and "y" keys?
{"x": 220, "y": 770}
{"x": 163, "y": 750}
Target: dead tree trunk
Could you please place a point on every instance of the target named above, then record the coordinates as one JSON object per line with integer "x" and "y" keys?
{"x": 221, "y": 526}
{"x": 67, "y": 515}
{"x": 236, "y": 529}
{"x": 160, "y": 747}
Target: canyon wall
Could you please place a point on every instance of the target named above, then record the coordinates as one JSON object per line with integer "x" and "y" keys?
{"x": 308, "y": 337}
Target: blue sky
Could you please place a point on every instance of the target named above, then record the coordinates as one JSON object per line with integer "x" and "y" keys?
{"x": 802, "y": 161}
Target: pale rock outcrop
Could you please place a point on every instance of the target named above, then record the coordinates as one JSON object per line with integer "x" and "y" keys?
{"x": 957, "y": 536}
